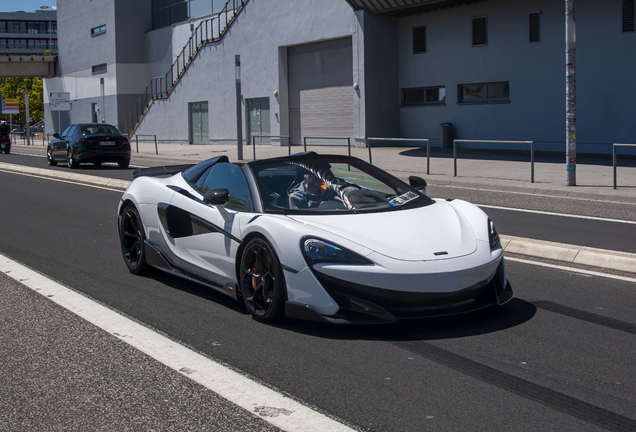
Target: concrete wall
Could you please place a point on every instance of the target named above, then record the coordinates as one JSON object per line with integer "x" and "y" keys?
{"x": 382, "y": 76}
{"x": 261, "y": 30}
{"x": 535, "y": 71}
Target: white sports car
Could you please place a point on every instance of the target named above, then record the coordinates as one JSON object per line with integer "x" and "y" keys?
{"x": 317, "y": 237}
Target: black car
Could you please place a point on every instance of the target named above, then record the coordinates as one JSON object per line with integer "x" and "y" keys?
{"x": 89, "y": 143}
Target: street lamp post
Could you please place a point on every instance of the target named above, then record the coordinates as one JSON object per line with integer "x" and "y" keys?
{"x": 570, "y": 98}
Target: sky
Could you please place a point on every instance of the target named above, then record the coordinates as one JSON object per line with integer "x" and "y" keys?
{"x": 24, "y": 5}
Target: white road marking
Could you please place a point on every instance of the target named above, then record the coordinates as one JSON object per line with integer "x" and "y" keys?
{"x": 573, "y": 269}
{"x": 275, "y": 408}
{"x": 558, "y": 214}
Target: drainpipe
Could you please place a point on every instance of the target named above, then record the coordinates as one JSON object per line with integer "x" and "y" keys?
{"x": 570, "y": 98}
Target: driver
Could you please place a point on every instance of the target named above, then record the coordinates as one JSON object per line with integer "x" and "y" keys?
{"x": 310, "y": 193}
{"x": 4, "y": 129}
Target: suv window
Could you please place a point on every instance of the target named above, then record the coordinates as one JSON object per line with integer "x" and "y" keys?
{"x": 229, "y": 176}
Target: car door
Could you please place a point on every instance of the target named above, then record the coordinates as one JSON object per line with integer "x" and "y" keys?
{"x": 207, "y": 237}
{"x": 59, "y": 145}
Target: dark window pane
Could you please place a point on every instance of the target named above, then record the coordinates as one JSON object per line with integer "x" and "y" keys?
{"x": 413, "y": 95}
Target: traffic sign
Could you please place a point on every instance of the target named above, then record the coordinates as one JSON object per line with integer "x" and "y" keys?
{"x": 60, "y": 101}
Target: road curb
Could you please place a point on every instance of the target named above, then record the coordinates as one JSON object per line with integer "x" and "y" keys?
{"x": 602, "y": 258}
{"x": 68, "y": 176}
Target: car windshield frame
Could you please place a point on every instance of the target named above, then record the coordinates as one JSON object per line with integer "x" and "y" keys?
{"x": 349, "y": 185}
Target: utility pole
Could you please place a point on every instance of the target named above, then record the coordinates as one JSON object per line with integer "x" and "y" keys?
{"x": 570, "y": 98}
{"x": 27, "y": 129}
{"x": 239, "y": 117}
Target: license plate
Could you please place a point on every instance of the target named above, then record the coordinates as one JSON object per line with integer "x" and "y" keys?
{"x": 106, "y": 143}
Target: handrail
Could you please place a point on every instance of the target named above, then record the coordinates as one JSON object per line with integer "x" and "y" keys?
{"x": 495, "y": 142}
{"x": 329, "y": 138}
{"x": 208, "y": 31}
{"x": 267, "y": 136}
{"x": 155, "y": 136}
{"x": 615, "y": 157}
{"x": 428, "y": 148}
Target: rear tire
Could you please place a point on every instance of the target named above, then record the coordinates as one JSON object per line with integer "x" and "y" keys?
{"x": 262, "y": 282}
{"x": 132, "y": 238}
{"x": 123, "y": 164}
{"x": 97, "y": 164}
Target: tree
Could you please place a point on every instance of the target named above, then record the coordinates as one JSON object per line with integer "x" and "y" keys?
{"x": 13, "y": 88}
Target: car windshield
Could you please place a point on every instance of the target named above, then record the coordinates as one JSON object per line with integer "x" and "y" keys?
{"x": 322, "y": 184}
{"x": 99, "y": 129}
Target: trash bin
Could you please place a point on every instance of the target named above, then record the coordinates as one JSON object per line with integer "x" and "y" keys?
{"x": 446, "y": 135}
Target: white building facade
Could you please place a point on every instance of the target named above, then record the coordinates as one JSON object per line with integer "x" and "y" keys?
{"x": 494, "y": 69}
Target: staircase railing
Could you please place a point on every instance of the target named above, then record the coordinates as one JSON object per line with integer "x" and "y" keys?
{"x": 208, "y": 31}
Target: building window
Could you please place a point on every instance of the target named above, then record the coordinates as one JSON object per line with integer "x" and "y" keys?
{"x": 419, "y": 40}
{"x": 424, "y": 96}
{"x": 96, "y": 31}
{"x": 480, "y": 31}
{"x": 165, "y": 13}
{"x": 496, "y": 92}
{"x": 534, "y": 26}
{"x": 628, "y": 15}
{"x": 99, "y": 69}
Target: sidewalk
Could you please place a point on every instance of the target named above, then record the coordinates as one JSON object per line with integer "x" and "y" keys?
{"x": 594, "y": 182}
{"x": 511, "y": 173}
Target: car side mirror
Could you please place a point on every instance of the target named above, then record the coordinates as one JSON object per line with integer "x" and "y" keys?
{"x": 418, "y": 183}
{"x": 217, "y": 196}
{"x": 56, "y": 135}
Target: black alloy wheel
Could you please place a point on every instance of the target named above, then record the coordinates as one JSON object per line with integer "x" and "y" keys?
{"x": 262, "y": 282}
{"x": 131, "y": 236}
{"x": 70, "y": 160}
{"x": 49, "y": 158}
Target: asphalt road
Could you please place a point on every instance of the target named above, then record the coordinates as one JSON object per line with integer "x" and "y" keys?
{"x": 561, "y": 229}
{"x": 558, "y": 357}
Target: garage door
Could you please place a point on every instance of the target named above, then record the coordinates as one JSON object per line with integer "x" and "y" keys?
{"x": 320, "y": 90}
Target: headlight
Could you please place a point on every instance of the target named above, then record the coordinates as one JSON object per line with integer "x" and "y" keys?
{"x": 493, "y": 235}
{"x": 319, "y": 251}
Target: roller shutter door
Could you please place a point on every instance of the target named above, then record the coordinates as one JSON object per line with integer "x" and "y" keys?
{"x": 320, "y": 90}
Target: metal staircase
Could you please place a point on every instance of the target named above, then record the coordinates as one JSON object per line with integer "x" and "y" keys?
{"x": 208, "y": 31}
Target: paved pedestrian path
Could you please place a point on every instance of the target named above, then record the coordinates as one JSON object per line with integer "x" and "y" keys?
{"x": 481, "y": 170}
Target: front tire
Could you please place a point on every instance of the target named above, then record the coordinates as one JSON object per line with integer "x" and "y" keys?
{"x": 70, "y": 160}
{"x": 132, "y": 238}
{"x": 49, "y": 158}
{"x": 262, "y": 282}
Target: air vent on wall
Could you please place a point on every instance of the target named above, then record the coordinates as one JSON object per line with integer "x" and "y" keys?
{"x": 480, "y": 31}
{"x": 535, "y": 27}
{"x": 628, "y": 15}
{"x": 419, "y": 40}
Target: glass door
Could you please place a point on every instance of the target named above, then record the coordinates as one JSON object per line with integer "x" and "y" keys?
{"x": 259, "y": 122}
{"x": 199, "y": 123}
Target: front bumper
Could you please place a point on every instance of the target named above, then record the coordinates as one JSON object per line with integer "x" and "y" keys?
{"x": 361, "y": 304}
